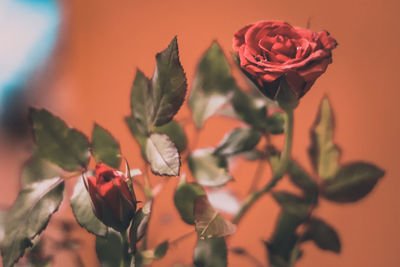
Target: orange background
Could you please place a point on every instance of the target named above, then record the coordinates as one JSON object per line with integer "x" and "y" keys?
{"x": 102, "y": 43}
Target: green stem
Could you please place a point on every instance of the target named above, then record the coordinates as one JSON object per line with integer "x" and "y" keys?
{"x": 280, "y": 171}
{"x": 126, "y": 257}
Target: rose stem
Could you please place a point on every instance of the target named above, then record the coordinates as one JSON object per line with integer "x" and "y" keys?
{"x": 257, "y": 175}
{"x": 181, "y": 238}
{"x": 126, "y": 258}
{"x": 283, "y": 163}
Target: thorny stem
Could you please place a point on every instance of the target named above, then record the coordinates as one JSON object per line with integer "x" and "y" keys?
{"x": 280, "y": 171}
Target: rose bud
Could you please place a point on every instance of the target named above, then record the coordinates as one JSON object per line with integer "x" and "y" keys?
{"x": 271, "y": 50}
{"x": 112, "y": 201}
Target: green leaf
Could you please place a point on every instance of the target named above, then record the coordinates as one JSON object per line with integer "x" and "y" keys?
{"x": 184, "y": 198}
{"x": 161, "y": 250}
{"x": 162, "y": 155}
{"x": 28, "y": 216}
{"x": 37, "y": 169}
{"x": 81, "y": 205}
{"x": 323, "y": 152}
{"x": 205, "y": 105}
{"x": 211, "y": 85}
{"x": 169, "y": 84}
{"x": 250, "y": 109}
{"x": 237, "y": 141}
{"x": 66, "y": 147}
{"x": 209, "y": 223}
{"x": 275, "y": 123}
{"x": 284, "y": 239}
{"x": 142, "y": 104}
{"x": 224, "y": 200}
{"x": 253, "y": 154}
{"x": 293, "y": 204}
{"x": 105, "y": 147}
{"x": 140, "y": 138}
{"x": 110, "y": 249}
{"x": 352, "y": 182}
{"x": 175, "y": 132}
{"x": 210, "y": 253}
{"x": 139, "y": 224}
{"x": 154, "y": 102}
{"x": 324, "y": 235}
{"x": 3, "y": 217}
{"x": 301, "y": 179}
{"x": 209, "y": 169}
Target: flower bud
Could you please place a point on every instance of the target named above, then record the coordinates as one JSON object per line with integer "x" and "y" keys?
{"x": 112, "y": 201}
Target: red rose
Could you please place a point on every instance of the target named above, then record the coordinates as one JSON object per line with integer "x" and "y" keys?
{"x": 113, "y": 203}
{"x": 270, "y": 50}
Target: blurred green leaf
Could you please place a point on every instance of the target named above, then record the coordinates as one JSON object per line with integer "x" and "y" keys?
{"x": 81, "y": 205}
{"x": 224, "y": 200}
{"x": 162, "y": 155}
{"x": 209, "y": 223}
{"x": 324, "y": 235}
{"x": 293, "y": 204}
{"x": 210, "y": 253}
{"x": 154, "y": 102}
{"x": 184, "y": 198}
{"x": 301, "y": 179}
{"x": 36, "y": 256}
{"x": 66, "y": 147}
{"x": 275, "y": 123}
{"x": 142, "y": 105}
{"x": 140, "y": 138}
{"x": 209, "y": 169}
{"x": 282, "y": 244}
{"x": 110, "y": 249}
{"x": 205, "y": 105}
{"x": 105, "y": 147}
{"x": 253, "y": 154}
{"x": 3, "y": 217}
{"x": 161, "y": 250}
{"x": 237, "y": 141}
{"x": 323, "y": 152}
{"x": 37, "y": 169}
{"x": 352, "y": 182}
{"x": 175, "y": 132}
{"x": 211, "y": 85}
{"x": 250, "y": 109}
{"x": 28, "y": 216}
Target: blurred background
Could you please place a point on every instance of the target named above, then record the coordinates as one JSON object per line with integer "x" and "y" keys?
{"x": 78, "y": 59}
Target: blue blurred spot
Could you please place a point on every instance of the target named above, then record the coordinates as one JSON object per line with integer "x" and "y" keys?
{"x": 28, "y": 31}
